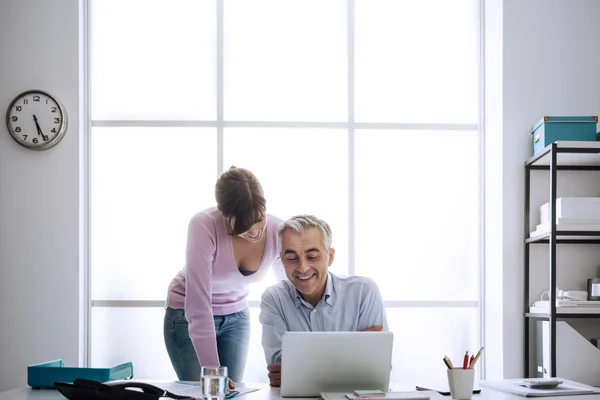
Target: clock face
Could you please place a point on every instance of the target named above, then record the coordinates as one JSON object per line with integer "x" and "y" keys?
{"x": 36, "y": 120}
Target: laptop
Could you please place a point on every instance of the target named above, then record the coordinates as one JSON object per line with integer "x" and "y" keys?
{"x": 315, "y": 362}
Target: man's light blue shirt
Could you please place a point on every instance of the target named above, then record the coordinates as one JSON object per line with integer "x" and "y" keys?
{"x": 351, "y": 303}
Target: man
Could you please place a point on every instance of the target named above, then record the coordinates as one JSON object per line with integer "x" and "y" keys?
{"x": 314, "y": 299}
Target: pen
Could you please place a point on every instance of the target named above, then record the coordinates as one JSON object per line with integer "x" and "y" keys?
{"x": 466, "y": 360}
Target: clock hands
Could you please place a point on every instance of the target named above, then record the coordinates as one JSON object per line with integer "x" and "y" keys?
{"x": 39, "y": 130}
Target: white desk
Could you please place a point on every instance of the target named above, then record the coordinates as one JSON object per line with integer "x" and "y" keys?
{"x": 268, "y": 393}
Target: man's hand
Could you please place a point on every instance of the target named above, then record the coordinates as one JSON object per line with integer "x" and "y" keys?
{"x": 274, "y": 374}
{"x": 375, "y": 328}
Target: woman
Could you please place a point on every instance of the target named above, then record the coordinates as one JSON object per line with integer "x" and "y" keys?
{"x": 228, "y": 246}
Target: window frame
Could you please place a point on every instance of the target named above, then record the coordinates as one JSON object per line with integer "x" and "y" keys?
{"x": 350, "y": 125}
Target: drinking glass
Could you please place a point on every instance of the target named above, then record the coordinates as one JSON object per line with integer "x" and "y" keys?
{"x": 214, "y": 382}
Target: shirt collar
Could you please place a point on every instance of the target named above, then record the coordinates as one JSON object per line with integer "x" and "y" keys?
{"x": 328, "y": 295}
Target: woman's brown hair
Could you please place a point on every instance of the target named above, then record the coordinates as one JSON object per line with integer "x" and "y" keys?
{"x": 240, "y": 197}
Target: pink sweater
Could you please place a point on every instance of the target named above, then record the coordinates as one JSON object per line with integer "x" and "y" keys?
{"x": 210, "y": 283}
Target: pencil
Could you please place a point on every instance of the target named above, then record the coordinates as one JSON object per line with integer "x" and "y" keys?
{"x": 449, "y": 362}
{"x": 472, "y": 364}
{"x": 446, "y": 362}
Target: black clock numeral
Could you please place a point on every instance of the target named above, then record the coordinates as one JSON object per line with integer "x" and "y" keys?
{"x": 45, "y": 138}
{"x": 36, "y": 98}
{"x": 18, "y": 129}
{"x": 14, "y": 118}
{"x": 24, "y": 137}
{"x": 19, "y": 108}
{"x": 25, "y": 101}
{"x": 56, "y": 120}
{"x": 54, "y": 109}
{"x": 35, "y": 140}
{"x": 53, "y": 130}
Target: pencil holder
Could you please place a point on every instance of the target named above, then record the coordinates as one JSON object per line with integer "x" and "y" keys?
{"x": 461, "y": 383}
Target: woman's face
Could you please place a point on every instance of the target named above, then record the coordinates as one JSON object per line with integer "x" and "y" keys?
{"x": 256, "y": 231}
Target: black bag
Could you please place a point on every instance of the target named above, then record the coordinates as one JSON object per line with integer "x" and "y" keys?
{"x": 84, "y": 389}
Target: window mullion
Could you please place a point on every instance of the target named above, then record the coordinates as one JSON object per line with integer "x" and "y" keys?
{"x": 220, "y": 144}
{"x": 351, "y": 126}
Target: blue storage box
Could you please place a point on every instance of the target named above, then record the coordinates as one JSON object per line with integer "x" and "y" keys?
{"x": 44, "y": 375}
{"x": 551, "y": 129}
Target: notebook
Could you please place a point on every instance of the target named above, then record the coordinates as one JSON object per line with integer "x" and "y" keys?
{"x": 315, "y": 362}
{"x": 387, "y": 396}
{"x": 393, "y": 396}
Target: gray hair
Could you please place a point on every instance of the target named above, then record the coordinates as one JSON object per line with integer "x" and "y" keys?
{"x": 301, "y": 223}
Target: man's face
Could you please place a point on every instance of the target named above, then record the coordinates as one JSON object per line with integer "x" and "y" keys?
{"x": 306, "y": 262}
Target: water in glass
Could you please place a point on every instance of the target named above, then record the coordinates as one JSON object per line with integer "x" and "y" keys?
{"x": 214, "y": 386}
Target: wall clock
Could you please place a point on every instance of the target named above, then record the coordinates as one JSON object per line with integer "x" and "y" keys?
{"x": 36, "y": 120}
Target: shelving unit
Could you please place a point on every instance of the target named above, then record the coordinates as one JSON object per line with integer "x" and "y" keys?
{"x": 559, "y": 156}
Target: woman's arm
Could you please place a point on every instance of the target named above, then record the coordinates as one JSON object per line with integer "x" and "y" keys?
{"x": 200, "y": 253}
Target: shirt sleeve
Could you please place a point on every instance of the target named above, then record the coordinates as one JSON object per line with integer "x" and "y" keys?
{"x": 372, "y": 312}
{"x": 273, "y": 327}
{"x": 200, "y": 253}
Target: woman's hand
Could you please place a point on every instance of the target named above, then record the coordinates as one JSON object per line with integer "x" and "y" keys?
{"x": 231, "y": 384}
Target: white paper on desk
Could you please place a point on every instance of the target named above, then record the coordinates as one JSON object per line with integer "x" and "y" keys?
{"x": 514, "y": 386}
{"x": 194, "y": 389}
{"x": 412, "y": 395}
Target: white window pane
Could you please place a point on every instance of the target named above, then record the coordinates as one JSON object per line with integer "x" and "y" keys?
{"x": 256, "y": 365}
{"x": 285, "y": 60}
{"x": 418, "y": 213}
{"x": 120, "y": 335}
{"x": 417, "y": 61}
{"x": 422, "y": 336}
{"x": 146, "y": 185}
{"x": 153, "y": 59}
{"x": 258, "y": 288}
{"x": 302, "y": 171}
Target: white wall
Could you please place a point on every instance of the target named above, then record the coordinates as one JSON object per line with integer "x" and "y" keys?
{"x": 545, "y": 62}
{"x": 39, "y": 193}
{"x": 550, "y": 66}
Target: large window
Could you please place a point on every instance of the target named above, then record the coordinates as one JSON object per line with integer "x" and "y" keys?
{"x": 363, "y": 112}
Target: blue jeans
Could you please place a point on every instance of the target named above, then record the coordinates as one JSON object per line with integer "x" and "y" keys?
{"x": 233, "y": 339}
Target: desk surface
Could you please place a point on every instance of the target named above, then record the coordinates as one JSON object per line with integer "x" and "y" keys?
{"x": 268, "y": 393}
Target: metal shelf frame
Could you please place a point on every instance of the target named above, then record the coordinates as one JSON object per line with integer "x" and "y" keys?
{"x": 549, "y": 160}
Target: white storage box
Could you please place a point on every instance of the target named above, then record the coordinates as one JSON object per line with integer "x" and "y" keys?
{"x": 545, "y": 228}
{"x": 573, "y": 210}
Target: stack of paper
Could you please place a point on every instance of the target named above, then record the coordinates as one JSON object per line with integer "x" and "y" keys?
{"x": 517, "y": 386}
{"x": 572, "y": 214}
{"x": 572, "y": 208}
